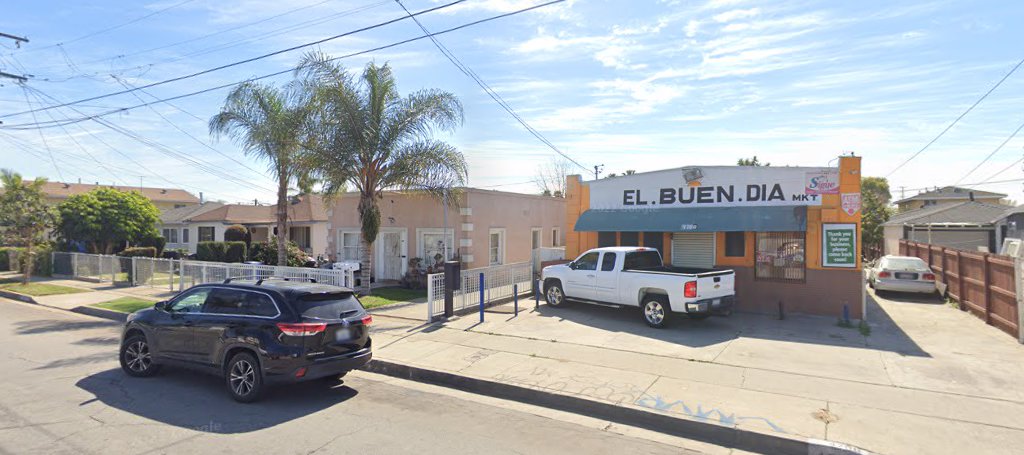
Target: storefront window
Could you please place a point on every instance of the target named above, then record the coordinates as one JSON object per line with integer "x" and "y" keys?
{"x": 780, "y": 256}
{"x": 735, "y": 244}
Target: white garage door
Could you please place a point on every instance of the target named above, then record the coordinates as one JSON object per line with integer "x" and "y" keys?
{"x": 693, "y": 249}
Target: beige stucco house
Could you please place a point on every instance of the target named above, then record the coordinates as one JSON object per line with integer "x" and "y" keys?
{"x": 163, "y": 198}
{"x": 185, "y": 227}
{"x": 486, "y": 228}
{"x": 950, "y": 195}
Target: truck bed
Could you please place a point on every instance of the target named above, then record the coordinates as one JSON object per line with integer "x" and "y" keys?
{"x": 672, "y": 270}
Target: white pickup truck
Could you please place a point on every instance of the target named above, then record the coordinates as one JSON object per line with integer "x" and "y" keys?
{"x": 636, "y": 277}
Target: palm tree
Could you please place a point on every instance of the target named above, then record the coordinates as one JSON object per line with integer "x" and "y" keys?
{"x": 373, "y": 140}
{"x": 270, "y": 124}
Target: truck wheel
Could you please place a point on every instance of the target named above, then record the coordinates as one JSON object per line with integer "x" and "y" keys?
{"x": 656, "y": 311}
{"x": 554, "y": 294}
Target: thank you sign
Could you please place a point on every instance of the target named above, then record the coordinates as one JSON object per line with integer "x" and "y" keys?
{"x": 839, "y": 245}
{"x": 715, "y": 186}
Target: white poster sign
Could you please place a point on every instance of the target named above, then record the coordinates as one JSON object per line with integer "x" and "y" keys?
{"x": 850, "y": 203}
{"x": 715, "y": 186}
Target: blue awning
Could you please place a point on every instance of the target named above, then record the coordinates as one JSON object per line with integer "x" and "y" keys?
{"x": 711, "y": 219}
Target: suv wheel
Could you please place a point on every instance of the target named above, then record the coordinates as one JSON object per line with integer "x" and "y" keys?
{"x": 244, "y": 378}
{"x": 554, "y": 295}
{"x": 656, "y": 311}
{"x": 136, "y": 359}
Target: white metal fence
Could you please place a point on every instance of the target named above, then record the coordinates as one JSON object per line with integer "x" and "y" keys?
{"x": 499, "y": 282}
{"x": 179, "y": 274}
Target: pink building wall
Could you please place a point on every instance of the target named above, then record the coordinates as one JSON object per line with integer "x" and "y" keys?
{"x": 481, "y": 210}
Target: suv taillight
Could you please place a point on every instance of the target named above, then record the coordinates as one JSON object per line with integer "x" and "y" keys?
{"x": 367, "y": 320}
{"x": 690, "y": 289}
{"x": 301, "y": 329}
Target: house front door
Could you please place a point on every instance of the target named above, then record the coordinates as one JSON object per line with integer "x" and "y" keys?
{"x": 392, "y": 257}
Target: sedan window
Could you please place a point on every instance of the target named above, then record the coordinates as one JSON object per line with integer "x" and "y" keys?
{"x": 190, "y": 302}
{"x": 904, "y": 263}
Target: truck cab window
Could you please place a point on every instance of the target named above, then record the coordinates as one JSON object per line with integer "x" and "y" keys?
{"x": 587, "y": 262}
{"x": 608, "y": 262}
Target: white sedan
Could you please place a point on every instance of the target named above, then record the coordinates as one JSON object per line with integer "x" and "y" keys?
{"x": 902, "y": 274}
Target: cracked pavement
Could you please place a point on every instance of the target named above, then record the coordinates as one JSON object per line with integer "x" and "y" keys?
{"x": 63, "y": 392}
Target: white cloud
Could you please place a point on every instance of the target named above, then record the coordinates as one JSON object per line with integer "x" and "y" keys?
{"x": 691, "y": 28}
{"x": 735, "y": 14}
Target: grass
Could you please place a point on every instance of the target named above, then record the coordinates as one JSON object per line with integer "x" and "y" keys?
{"x": 390, "y": 296}
{"x": 38, "y": 289}
{"x": 126, "y": 304}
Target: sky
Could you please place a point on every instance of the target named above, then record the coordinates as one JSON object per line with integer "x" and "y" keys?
{"x": 637, "y": 85}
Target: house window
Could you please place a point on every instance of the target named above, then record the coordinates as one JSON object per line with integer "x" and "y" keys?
{"x": 496, "y": 247}
{"x": 178, "y": 206}
{"x": 556, "y": 237}
{"x": 537, "y": 238}
{"x": 780, "y": 256}
{"x": 184, "y": 235}
{"x": 300, "y": 235}
{"x": 735, "y": 244}
{"x": 206, "y": 234}
{"x": 171, "y": 235}
{"x": 432, "y": 246}
{"x": 349, "y": 250}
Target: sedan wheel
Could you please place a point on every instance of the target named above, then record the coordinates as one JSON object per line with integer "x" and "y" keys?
{"x": 656, "y": 313}
{"x": 136, "y": 359}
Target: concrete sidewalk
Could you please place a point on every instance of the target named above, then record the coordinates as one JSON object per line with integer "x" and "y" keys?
{"x": 98, "y": 292}
{"x": 936, "y": 382}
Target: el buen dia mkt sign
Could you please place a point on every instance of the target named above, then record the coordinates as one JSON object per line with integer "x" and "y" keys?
{"x": 716, "y": 186}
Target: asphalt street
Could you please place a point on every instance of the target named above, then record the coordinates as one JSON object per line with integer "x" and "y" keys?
{"x": 63, "y": 392}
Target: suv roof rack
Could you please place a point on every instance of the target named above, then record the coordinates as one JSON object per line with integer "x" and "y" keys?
{"x": 272, "y": 277}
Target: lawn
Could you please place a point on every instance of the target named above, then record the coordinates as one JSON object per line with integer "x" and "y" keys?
{"x": 389, "y": 296}
{"x": 126, "y": 304}
{"x": 38, "y": 289}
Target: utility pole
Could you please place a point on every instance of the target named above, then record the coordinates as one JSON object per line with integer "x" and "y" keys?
{"x": 902, "y": 192}
{"x": 17, "y": 43}
{"x": 597, "y": 171}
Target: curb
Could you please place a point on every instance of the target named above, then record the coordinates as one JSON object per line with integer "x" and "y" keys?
{"x": 17, "y": 296}
{"x": 99, "y": 313}
{"x": 663, "y": 423}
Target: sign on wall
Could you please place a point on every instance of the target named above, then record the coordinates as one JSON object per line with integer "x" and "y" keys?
{"x": 851, "y": 203}
{"x": 715, "y": 186}
{"x": 839, "y": 245}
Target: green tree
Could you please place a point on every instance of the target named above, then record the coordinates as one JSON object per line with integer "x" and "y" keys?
{"x": 24, "y": 216}
{"x": 751, "y": 162}
{"x": 370, "y": 137}
{"x": 106, "y": 219}
{"x": 270, "y": 124}
{"x": 875, "y": 210}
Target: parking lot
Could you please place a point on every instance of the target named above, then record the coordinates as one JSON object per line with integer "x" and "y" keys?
{"x": 924, "y": 374}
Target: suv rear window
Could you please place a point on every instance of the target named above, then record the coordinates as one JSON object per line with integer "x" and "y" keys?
{"x": 335, "y": 305}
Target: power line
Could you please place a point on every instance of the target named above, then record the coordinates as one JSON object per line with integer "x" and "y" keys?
{"x": 241, "y": 62}
{"x": 23, "y": 126}
{"x": 487, "y": 88}
{"x": 992, "y": 153}
{"x": 24, "y": 91}
{"x": 114, "y": 27}
{"x": 976, "y": 103}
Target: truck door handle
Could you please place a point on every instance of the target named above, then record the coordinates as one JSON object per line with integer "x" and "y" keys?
{"x": 591, "y": 276}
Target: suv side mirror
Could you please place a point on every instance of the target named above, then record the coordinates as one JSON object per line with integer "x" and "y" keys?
{"x": 162, "y": 305}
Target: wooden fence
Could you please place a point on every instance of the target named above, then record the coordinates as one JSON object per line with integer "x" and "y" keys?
{"x": 982, "y": 283}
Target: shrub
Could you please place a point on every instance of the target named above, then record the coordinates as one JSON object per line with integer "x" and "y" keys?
{"x": 266, "y": 252}
{"x": 157, "y": 242}
{"x": 139, "y": 251}
{"x": 14, "y": 258}
{"x": 234, "y": 251}
{"x": 5, "y": 259}
{"x": 221, "y": 251}
{"x": 236, "y": 233}
{"x": 175, "y": 253}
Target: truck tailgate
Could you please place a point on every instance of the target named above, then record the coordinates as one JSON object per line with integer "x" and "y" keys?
{"x": 712, "y": 285}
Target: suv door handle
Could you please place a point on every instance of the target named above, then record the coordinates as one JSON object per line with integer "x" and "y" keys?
{"x": 188, "y": 323}
{"x": 591, "y": 276}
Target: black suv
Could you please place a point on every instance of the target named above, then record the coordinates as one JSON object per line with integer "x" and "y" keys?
{"x": 253, "y": 333}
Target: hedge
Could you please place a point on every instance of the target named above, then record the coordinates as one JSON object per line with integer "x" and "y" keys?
{"x": 267, "y": 253}
{"x": 42, "y": 266}
{"x": 235, "y": 233}
{"x": 5, "y": 258}
{"x": 139, "y": 251}
{"x": 221, "y": 251}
